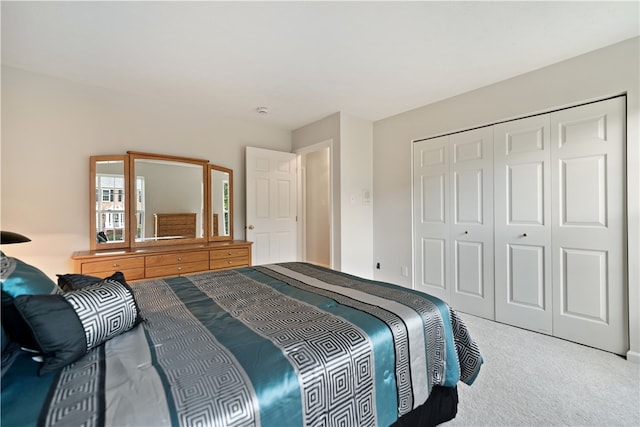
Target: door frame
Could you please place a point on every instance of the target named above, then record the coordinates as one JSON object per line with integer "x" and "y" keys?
{"x": 302, "y": 194}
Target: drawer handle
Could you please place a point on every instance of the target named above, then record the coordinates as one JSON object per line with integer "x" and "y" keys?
{"x": 115, "y": 264}
{"x": 230, "y": 253}
{"x": 230, "y": 262}
{"x": 179, "y": 268}
{"x": 179, "y": 258}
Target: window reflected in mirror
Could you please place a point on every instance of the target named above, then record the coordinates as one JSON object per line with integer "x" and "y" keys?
{"x": 109, "y": 185}
{"x": 221, "y": 202}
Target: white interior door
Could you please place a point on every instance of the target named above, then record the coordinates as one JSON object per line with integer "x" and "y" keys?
{"x": 471, "y": 225}
{"x": 271, "y": 205}
{"x": 431, "y": 217}
{"x": 587, "y": 156}
{"x": 522, "y": 200}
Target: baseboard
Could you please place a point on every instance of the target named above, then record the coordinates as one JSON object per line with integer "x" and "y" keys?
{"x": 633, "y": 356}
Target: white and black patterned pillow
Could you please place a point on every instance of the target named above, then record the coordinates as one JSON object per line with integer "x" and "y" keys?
{"x": 105, "y": 309}
{"x": 67, "y": 326}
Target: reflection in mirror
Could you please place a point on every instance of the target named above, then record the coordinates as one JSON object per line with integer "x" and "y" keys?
{"x": 109, "y": 214}
{"x": 168, "y": 200}
{"x": 221, "y": 202}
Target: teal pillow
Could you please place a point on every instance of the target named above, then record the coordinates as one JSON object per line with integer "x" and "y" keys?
{"x": 20, "y": 278}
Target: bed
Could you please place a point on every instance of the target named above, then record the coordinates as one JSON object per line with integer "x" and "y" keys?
{"x": 290, "y": 344}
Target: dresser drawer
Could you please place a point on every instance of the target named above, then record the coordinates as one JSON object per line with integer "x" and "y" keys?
{"x": 229, "y": 263}
{"x": 175, "y": 258}
{"x": 112, "y": 264}
{"x": 176, "y": 269}
{"x": 165, "y": 261}
{"x": 132, "y": 268}
{"x": 229, "y": 253}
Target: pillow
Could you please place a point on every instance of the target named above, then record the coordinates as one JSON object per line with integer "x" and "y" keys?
{"x": 67, "y": 326}
{"x": 73, "y": 282}
{"x": 4, "y": 340}
{"x": 19, "y": 278}
{"x": 14, "y": 325}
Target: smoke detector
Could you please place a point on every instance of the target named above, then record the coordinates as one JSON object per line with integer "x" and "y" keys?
{"x": 262, "y": 110}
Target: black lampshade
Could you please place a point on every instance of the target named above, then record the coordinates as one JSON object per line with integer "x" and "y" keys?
{"x": 9, "y": 237}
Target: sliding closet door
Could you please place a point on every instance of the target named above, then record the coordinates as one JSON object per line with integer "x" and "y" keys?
{"x": 471, "y": 232}
{"x": 587, "y": 158}
{"x": 431, "y": 217}
{"x": 523, "y": 223}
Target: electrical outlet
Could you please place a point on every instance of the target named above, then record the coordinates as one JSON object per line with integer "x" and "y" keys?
{"x": 378, "y": 265}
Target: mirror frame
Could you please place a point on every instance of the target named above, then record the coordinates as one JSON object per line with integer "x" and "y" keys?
{"x": 130, "y": 179}
{"x": 92, "y": 202}
{"x": 136, "y": 155}
{"x": 213, "y": 238}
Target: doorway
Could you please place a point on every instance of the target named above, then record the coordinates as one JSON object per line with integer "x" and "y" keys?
{"x": 315, "y": 204}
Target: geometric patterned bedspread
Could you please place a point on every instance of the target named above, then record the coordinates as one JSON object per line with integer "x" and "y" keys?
{"x": 289, "y": 344}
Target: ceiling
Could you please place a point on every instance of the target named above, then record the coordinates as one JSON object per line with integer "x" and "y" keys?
{"x": 303, "y": 60}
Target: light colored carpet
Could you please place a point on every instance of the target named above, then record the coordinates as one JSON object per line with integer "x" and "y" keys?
{"x": 531, "y": 379}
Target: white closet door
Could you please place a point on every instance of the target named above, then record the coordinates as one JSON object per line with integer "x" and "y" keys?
{"x": 588, "y": 225}
{"x": 471, "y": 231}
{"x": 523, "y": 223}
{"x": 431, "y": 217}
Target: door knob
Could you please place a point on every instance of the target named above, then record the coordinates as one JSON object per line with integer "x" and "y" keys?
{"x": 251, "y": 227}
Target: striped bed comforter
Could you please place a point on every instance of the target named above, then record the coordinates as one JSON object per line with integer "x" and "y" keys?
{"x": 289, "y": 344}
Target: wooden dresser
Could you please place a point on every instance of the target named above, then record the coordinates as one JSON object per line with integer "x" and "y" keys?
{"x": 163, "y": 261}
{"x": 180, "y": 225}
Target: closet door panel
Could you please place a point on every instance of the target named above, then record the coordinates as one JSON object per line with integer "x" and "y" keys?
{"x": 583, "y": 191}
{"x": 468, "y": 268}
{"x": 526, "y": 276}
{"x": 431, "y": 217}
{"x": 469, "y": 195}
{"x": 523, "y": 279}
{"x": 525, "y": 193}
{"x": 434, "y": 264}
{"x": 589, "y": 256}
{"x": 471, "y": 230}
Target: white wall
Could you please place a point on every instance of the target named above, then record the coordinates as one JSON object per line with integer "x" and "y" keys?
{"x": 356, "y": 178}
{"x": 352, "y": 158}
{"x": 610, "y": 71}
{"x": 50, "y": 127}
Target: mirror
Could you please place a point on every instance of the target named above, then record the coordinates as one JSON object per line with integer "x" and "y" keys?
{"x": 168, "y": 199}
{"x": 220, "y": 203}
{"x": 108, "y": 179}
{"x": 143, "y": 199}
